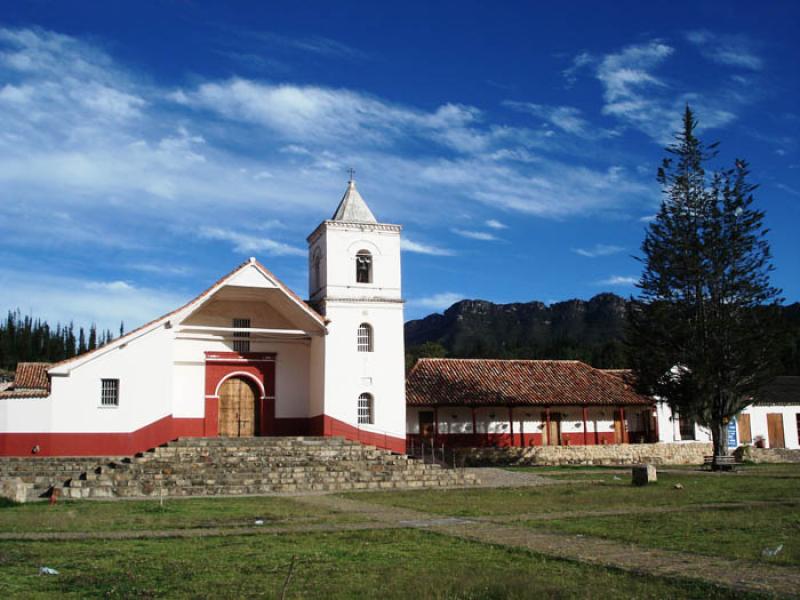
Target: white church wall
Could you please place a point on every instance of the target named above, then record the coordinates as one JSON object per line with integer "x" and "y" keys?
{"x": 143, "y": 366}
{"x": 381, "y": 373}
{"x": 316, "y": 384}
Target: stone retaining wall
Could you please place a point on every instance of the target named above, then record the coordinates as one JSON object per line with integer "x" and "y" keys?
{"x": 767, "y": 455}
{"x": 691, "y": 453}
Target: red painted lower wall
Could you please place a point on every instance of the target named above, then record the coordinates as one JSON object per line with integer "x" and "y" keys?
{"x": 170, "y": 428}
{"x": 99, "y": 444}
{"x": 328, "y": 426}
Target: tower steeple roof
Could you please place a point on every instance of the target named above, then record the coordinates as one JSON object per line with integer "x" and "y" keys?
{"x": 352, "y": 208}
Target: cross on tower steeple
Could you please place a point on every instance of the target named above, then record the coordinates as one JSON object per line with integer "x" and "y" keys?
{"x": 352, "y": 172}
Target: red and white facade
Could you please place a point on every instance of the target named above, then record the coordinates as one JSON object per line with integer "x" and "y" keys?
{"x": 305, "y": 364}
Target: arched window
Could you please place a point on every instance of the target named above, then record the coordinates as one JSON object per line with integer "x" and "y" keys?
{"x": 365, "y": 409}
{"x": 365, "y": 338}
{"x": 363, "y": 267}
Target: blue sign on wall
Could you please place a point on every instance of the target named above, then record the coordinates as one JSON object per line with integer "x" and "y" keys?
{"x": 732, "y": 443}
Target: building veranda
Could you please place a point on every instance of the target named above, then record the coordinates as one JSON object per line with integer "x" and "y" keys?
{"x": 483, "y": 402}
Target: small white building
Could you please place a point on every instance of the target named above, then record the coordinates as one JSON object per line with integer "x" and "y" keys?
{"x": 246, "y": 357}
{"x": 772, "y": 421}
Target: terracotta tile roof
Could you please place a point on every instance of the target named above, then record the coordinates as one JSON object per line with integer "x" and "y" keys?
{"x": 32, "y": 376}
{"x": 23, "y": 394}
{"x": 221, "y": 280}
{"x": 486, "y": 382}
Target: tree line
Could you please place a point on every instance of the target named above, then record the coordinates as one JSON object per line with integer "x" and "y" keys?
{"x": 24, "y": 338}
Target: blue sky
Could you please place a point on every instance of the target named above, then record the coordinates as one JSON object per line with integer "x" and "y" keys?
{"x": 147, "y": 148}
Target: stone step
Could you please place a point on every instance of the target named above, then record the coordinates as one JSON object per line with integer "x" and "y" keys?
{"x": 232, "y": 466}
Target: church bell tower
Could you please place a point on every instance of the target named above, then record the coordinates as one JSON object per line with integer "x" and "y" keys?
{"x": 355, "y": 282}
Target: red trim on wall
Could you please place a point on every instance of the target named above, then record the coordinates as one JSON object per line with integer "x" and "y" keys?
{"x": 328, "y": 426}
{"x": 99, "y": 444}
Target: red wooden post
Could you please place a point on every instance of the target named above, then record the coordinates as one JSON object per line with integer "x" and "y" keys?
{"x": 547, "y": 417}
{"x": 474, "y": 428}
{"x": 585, "y": 430}
{"x": 522, "y": 432}
{"x": 511, "y": 424}
{"x": 624, "y": 428}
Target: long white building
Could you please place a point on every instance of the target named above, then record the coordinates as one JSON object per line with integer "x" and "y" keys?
{"x": 246, "y": 357}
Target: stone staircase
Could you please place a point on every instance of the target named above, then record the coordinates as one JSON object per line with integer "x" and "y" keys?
{"x": 233, "y": 467}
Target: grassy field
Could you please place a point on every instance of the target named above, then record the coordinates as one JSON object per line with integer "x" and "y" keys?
{"x": 174, "y": 514}
{"x": 733, "y": 532}
{"x": 611, "y": 492}
{"x": 375, "y": 564}
{"x": 402, "y": 563}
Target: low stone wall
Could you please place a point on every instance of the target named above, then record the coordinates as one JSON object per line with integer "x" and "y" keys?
{"x": 767, "y": 455}
{"x": 691, "y": 453}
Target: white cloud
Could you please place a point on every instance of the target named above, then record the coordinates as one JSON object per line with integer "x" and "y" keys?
{"x": 598, "y": 250}
{"x": 566, "y": 118}
{"x": 729, "y": 50}
{"x": 246, "y": 243}
{"x": 110, "y": 286}
{"x": 619, "y": 280}
{"x": 55, "y": 298}
{"x": 634, "y": 93}
{"x": 483, "y": 236}
{"x": 578, "y": 63}
{"x": 437, "y": 302}
{"x": 410, "y": 246}
{"x": 495, "y": 224}
{"x": 647, "y": 218}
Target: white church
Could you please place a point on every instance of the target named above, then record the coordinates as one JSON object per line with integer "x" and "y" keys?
{"x": 246, "y": 357}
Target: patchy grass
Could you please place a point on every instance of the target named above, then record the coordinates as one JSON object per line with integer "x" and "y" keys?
{"x": 609, "y": 493}
{"x": 91, "y": 515}
{"x": 729, "y": 532}
{"x": 375, "y": 564}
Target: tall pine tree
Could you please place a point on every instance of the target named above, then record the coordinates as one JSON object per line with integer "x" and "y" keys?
{"x": 700, "y": 332}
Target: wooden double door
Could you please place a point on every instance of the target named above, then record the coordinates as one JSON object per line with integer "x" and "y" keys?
{"x": 238, "y": 409}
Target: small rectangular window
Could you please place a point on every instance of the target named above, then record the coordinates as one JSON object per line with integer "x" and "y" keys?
{"x": 109, "y": 392}
{"x": 241, "y": 341}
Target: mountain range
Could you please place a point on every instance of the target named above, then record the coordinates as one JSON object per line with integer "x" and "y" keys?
{"x": 588, "y": 330}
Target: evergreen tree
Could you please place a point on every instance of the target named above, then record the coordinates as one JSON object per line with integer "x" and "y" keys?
{"x": 699, "y": 335}
{"x": 92, "y": 337}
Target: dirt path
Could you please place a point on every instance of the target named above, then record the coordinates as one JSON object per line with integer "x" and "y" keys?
{"x": 736, "y": 574}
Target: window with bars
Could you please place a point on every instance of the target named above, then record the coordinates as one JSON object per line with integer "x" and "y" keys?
{"x": 365, "y": 409}
{"x": 109, "y": 392}
{"x": 241, "y": 339}
{"x": 363, "y": 267}
{"x": 365, "y": 338}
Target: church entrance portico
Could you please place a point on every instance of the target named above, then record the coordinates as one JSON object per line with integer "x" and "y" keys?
{"x": 240, "y": 394}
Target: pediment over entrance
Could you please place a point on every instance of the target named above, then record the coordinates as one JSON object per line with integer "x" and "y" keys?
{"x": 252, "y": 293}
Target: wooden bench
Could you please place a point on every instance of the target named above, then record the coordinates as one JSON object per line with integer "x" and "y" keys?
{"x": 724, "y": 463}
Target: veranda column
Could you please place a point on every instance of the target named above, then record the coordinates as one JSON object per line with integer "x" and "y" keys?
{"x": 624, "y": 428}
{"x": 474, "y": 428}
{"x": 547, "y": 419}
{"x": 511, "y": 424}
{"x": 435, "y": 424}
{"x": 585, "y": 430}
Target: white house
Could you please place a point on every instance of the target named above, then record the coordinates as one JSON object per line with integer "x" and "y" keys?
{"x": 245, "y": 357}
{"x": 771, "y": 421}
